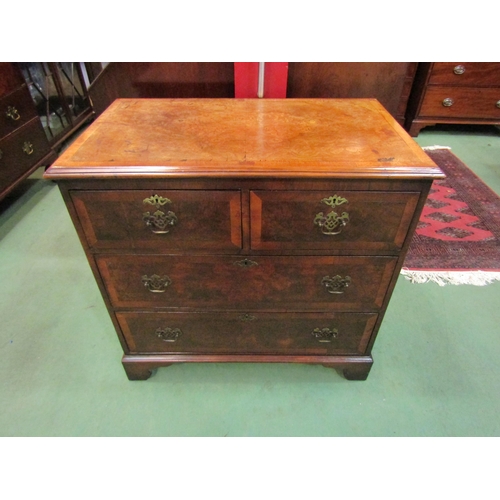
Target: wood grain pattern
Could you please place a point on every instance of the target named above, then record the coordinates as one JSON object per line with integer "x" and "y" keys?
{"x": 244, "y": 137}
{"x": 246, "y": 274}
{"x": 257, "y": 333}
{"x": 205, "y": 220}
{"x": 378, "y": 221}
{"x": 205, "y": 282}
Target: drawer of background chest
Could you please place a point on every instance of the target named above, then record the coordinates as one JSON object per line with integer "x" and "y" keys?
{"x": 21, "y": 150}
{"x": 16, "y": 109}
{"x": 356, "y": 221}
{"x": 232, "y": 282}
{"x": 469, "y": 74}
{"x": 461, "y": 102}
{"x": 247, "y": 333}
{"x": 163, "y": 221}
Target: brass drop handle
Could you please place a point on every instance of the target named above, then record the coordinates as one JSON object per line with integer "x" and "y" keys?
{"x": 459, "y": 70}
{"x": 28, "y": 148}
{"x": 325, "y": 334}
{"x": 168, "y": 334}
{"x": 13, "y": 113}
{"x": 448, "y": 102}
{"x": 337, "y": 284}
{"x": 159, "y": 222}
{"x": 332, "y": 223}
{"x": 497, "y": 104}
{"x": 156, "y": 283}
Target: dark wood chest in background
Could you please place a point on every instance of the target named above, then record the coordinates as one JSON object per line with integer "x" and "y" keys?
{"x": 41, "y": 105}
{"x": 23, "y": 145}
{"x": 245, "y": 230}
{"x": 461, "y": 93}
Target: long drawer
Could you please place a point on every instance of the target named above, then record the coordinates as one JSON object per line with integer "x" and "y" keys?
{"x": 163, "y": 221}
{"x": 248, "y": 333}
{"x": 461, "y": 102}
{"x": 469, "y": 74}
{"x": 371, "y": 221}
{"x": 233, "y": 282}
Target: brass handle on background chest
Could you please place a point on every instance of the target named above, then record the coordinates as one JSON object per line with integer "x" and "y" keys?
{"x": 156, "y": 283}
{"x": 497, "y": 104}
{"x": 168, "y": 334}
{"x": 28, "y": 148}
{"x": 459, "y": 69}
{"x": 448, "y": 102}
{"x": 337, "y": 284}
{"x": 159, "y": 222}
{"x": 332, "y": 223}
{"x": 12, "y": 113}
{"x": 325, "y": 334}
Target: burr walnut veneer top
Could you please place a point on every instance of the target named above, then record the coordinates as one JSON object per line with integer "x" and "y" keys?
{"x": 276, "y": 138}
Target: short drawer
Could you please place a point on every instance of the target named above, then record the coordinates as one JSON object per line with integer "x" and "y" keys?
{"x": 160, "y": 221}
{"x": 467, "y": 74}
{"x": 362, "y": 221}
{"x": 16, "y": 109}
{"x": 247, "y": 333}
{"x": 233, "y": 282}
{"x": 456, "y": 102}
{"x": 21, "y": 150}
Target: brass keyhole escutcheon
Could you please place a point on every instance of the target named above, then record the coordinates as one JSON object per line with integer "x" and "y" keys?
{"x": 246, "y": 263}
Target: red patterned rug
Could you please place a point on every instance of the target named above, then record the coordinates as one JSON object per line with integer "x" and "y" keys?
{"x": 457, "y": 240}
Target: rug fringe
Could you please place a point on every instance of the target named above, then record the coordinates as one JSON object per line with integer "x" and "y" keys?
{"x": 442, "y": 278}
{"x": 433, "y": 148}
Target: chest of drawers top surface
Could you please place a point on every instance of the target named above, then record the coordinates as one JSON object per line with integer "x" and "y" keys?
{"x": 244, "y": 138}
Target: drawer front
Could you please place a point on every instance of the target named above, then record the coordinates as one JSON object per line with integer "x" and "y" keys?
{"x": 247, "y": 333}
{"x": 468, "y": 74}
{"x": 362, "y": 221}
{"x": 233, "y": 282}
{"x": 160, "y": 221}
{"x": 10, "y": 77}
{"x": 461, "y": 102}
{"x": 21, "y": 150}
{"x": 16, "y": 109}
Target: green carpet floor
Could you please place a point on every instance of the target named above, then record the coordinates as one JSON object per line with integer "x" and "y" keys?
{"x": 436, "y": 370}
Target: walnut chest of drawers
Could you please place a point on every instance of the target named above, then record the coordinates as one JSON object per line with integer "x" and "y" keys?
{"x": 227, "y": 230}
{"x": 461, "y": 93}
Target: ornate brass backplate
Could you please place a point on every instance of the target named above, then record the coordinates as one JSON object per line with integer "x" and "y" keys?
{"x": 168, "y": 334}
{"x": 332, "y": 223}
{"x": 337, "y": 284}
{"x": 159, "y": 222}
{"x": 155, "y": 283}
{"x": 325, "y": 334}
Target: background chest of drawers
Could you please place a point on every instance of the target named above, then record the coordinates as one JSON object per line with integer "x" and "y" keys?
{"x": 23, "y": 145}
{"x": 466, "y": 93}
{"x": 245, "y": 230}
